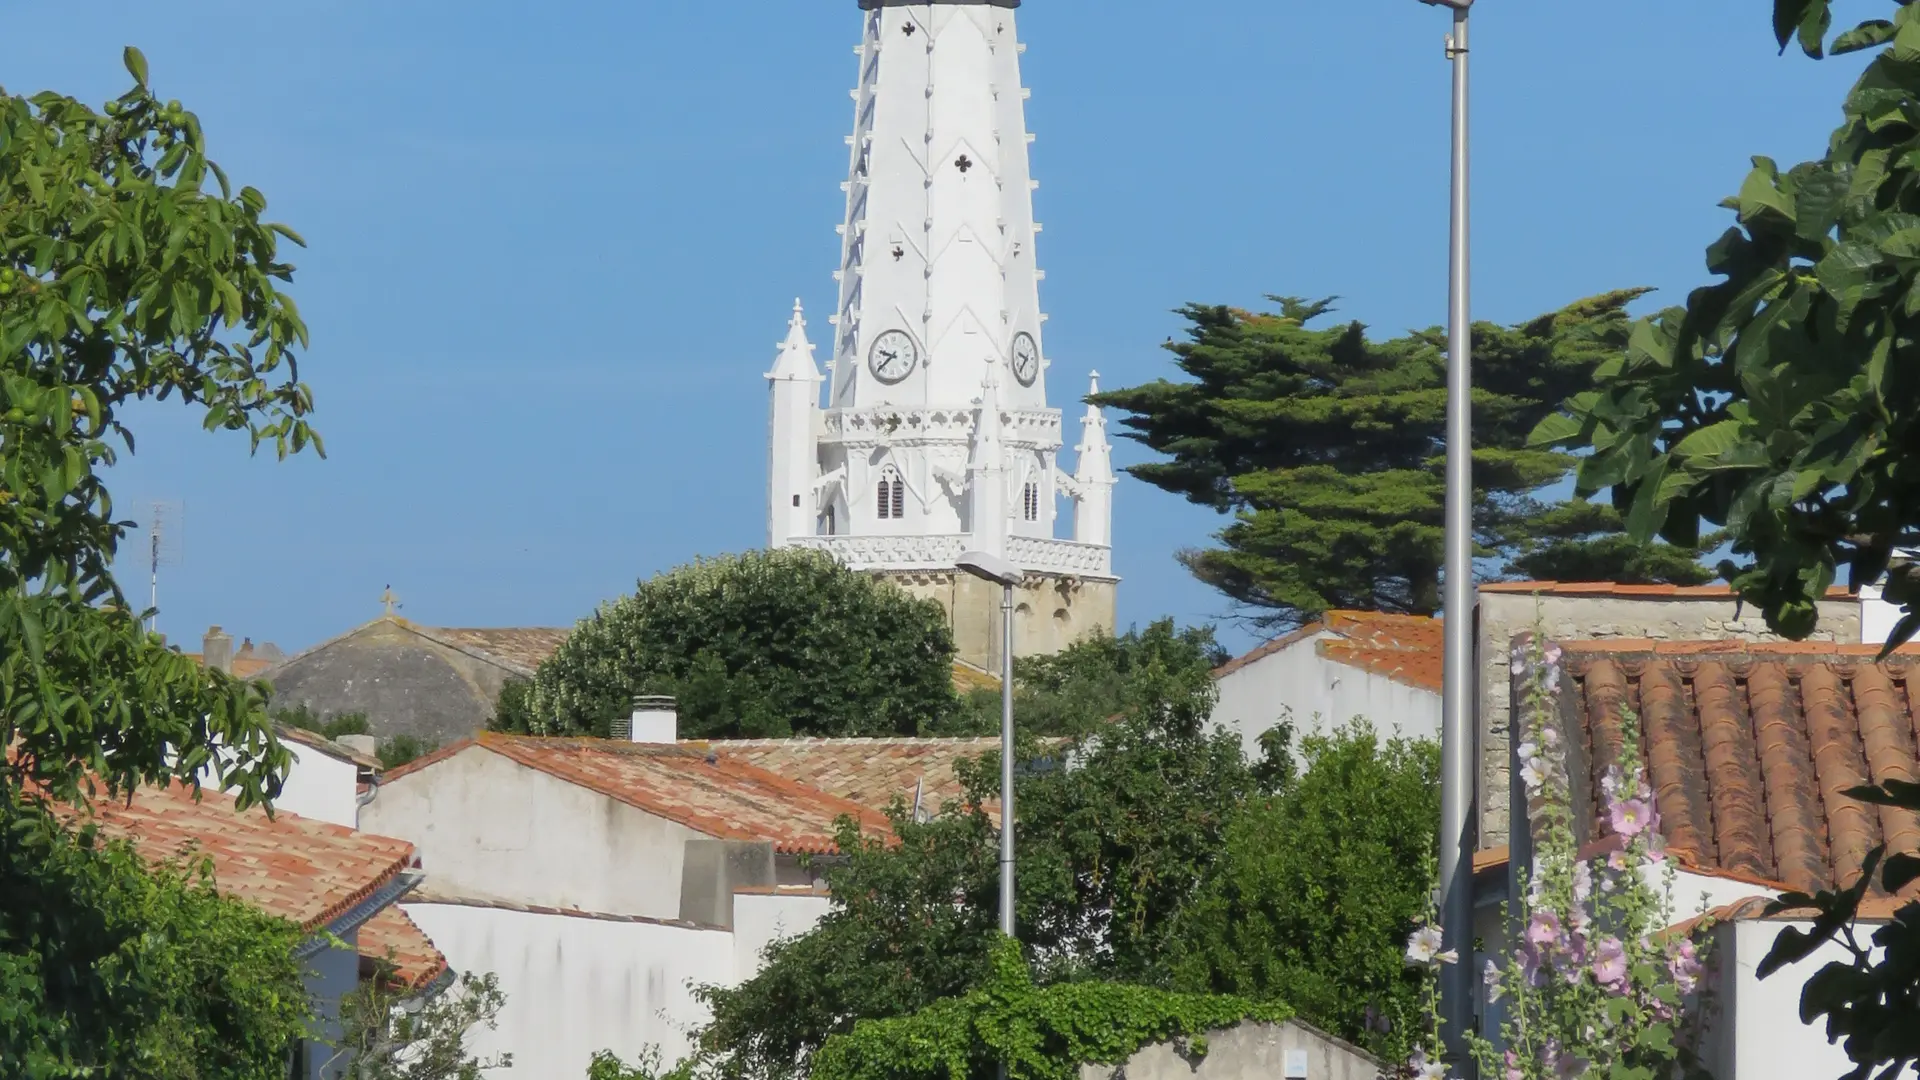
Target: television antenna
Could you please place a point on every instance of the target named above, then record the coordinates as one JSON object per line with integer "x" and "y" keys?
{"x": 166, "y": 532}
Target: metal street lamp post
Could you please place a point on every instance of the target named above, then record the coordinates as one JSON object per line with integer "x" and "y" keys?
{"x": 1458, "y": 698}
{"x": 1006, "y": 575}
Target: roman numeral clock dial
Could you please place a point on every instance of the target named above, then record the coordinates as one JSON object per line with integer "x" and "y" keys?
{"x": 893, "y": 356}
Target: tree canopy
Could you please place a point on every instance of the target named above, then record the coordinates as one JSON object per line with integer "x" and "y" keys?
{"x": 1145, "y": 863}
{"x": 1081, "y": 687}
{"x": 131, "y": 270}
{"x": 1328, "y": 449}
{"x": 765, "y": 644}
{"x": 122, "y": 279}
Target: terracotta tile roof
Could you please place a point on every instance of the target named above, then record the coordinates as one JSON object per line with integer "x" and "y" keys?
{"x": 519, "y": 647}
{"x": 325, "y": 745}
{"x": 1749, "y": 747}
{"x": 392, "y": 938}
{"x": 1408, "y": 649}
{"x": 724, "y": 797}
{"x": 871, "y": 772}
{"x": 307, "y": 871}
{"x": 1719, "y": 591}
{"x": 1747, "y": 909}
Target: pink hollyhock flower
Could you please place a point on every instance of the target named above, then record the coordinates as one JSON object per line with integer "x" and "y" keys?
{"x": 1684, "y": 964}
{"x": 1582, "y": 883}
{"x": 1610, "y": 963}
{"x": 1513, "y": 1068}
{"x": 1543, "y": 929}
{"x": 1617, "y": 861}
{"x": 1630, "y": 818}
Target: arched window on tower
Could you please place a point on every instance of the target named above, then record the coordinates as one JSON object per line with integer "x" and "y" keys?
{"x": 1030, "y": 500}
{"x": 890, "y": 496}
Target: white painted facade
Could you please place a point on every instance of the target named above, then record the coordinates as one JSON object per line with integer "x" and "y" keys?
{"x": 490, "y": 828}
{"x": 760, "y": 919}
{"x": 1759, "y": 1035}
{"x": 321, "y": 786}
{"x": 936, "y": 436}
{"x": 575, "y": 984}
{"x": 1295, "y": 681}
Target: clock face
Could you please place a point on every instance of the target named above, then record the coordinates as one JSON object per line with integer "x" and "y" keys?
{"x": 893, "y": 356}
{"x": 1026, "y": 358}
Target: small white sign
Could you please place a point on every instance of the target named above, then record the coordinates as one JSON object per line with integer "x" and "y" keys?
{"x": 1296, "y": 1065}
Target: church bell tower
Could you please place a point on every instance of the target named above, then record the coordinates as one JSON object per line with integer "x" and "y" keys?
{"x": 936, "y": 437}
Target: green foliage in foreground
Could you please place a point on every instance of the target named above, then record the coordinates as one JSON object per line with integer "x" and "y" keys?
{"x": 1038, "y": 1033}
{"x": 764, "y": 644}
{"x": 386, "y": 1036}
{"x": 1782, "y": 401}
{"x": 131, "y": 271}
{"x": 113, "y": 967}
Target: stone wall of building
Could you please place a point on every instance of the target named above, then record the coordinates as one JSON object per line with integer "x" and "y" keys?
{"x": 1289, "y": 1051}
{"x": 1051, "y": 611}
{"x": 1594, "y": 615}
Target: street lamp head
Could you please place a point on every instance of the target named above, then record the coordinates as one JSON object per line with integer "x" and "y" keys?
{"x": 991, "y": 567}
{"x": 1457, "y": 5}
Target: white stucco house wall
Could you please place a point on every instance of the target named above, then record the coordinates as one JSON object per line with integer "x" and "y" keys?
{"x": 1348, "y": 664}
{"x": 328, "y": 780}
{"x": 602, "y": 880}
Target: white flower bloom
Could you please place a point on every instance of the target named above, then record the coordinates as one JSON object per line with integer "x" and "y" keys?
{"x": 1535, "y": 774}
{"x": 1423, "y": 947}
{"x": 1528, "y": 751}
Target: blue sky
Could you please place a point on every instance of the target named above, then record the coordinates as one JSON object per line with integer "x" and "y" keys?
{"x": 552, "y": 246}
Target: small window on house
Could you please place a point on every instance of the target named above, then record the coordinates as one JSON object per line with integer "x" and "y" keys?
{"x": 827, "y": 521}
{"x": 899, "y": 499}
{"x": 1031, "y": 501}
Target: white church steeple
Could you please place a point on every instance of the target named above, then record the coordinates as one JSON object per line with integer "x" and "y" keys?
{"x": 915, "y": 458}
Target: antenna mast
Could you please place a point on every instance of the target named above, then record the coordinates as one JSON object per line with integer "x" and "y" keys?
{"x": 165, "y": 521}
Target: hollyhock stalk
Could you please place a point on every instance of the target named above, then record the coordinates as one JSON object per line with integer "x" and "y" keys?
{"x": 1595, "y": 984}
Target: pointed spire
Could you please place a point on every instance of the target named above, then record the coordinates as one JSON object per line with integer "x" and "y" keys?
{"x": 989, "y": 434}
{"x": 796, "y": 352}
{"x": 1093, "y": 473}
{"x": 987, "y": 465}
{"x": 1095, "y": 464}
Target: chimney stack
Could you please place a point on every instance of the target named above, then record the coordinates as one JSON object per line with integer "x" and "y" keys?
{"x": 216, "y": 650}
{"x": 655, "y": 720}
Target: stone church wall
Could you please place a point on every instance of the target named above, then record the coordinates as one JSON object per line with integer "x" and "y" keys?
{"x": 1050, "y": 612}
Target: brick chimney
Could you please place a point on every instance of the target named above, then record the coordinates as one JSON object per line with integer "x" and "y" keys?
{"x": 216, "y": 650}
